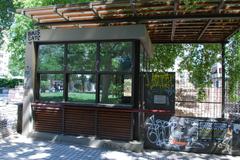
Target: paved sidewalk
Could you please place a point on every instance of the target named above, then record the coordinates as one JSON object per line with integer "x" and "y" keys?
{"x": 18, "y": 147}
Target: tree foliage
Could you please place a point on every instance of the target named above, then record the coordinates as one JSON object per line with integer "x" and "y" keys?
{"x": 6, "y": 16}
{"x": 10, "y": 83}
{"x": 165, "y": 56}
{"x": 198, "y": 61}
{"x": 233, "y": 67}
{"x": 21, "y": 25}
{"x": 17, "y": 43}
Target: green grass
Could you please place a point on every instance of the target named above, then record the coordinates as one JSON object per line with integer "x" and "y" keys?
{"x": 87, "y": 97}
{"x": 52, "y": 96}
{"x": 72, "y": 97}
{"x": 81, "y": 97}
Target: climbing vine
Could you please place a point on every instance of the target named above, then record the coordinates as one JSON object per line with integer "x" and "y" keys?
{"x": 233, "y": 68}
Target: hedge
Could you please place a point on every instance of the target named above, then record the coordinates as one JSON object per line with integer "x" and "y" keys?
{"x": 10, "y": 83}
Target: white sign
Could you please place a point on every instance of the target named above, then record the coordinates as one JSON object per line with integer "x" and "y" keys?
{"x": 160, "y": 99}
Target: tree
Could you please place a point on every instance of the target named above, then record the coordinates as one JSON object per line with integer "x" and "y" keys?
{"x": 114, "y": 56}
{"x": 17, "y": 43}
{"x": 165, "y": 56}
{"x": 233, "y": 67}
{"x": 198, "y": 61}
{"x": 6, "y": 16}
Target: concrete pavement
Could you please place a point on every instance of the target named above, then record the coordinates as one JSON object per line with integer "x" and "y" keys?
{"x": 17, "y": 147}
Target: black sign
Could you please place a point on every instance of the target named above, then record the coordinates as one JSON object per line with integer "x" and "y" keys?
{"x": 159, "y": 90}
{"x": 33, "y": 35}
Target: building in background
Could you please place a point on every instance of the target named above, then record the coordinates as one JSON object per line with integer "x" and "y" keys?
{"x": 216, "y": 75}
{"x": 187, "y": 102}
{"x": 4, "y": 60}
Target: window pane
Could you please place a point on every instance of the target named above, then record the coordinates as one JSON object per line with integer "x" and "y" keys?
{"x": 81, "y": 88}
{"x": 82, "y": 57}
{"x": 51, "y": 57}
{"x": 115, "y": 89}
{"x": 116, "y": 56}
{"x": 51, "y": 87}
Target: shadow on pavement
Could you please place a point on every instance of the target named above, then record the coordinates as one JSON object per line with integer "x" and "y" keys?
{"x": 19, "y": 147}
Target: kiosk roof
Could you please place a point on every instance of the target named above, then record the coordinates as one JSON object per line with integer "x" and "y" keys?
{"x": 167, "y": 21}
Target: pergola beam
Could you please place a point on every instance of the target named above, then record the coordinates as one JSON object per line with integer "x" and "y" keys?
{"x": 210, "y": 20}
{"x": 204, "y": 29}
{"x": 55, "y": 10}
{"x": 176, "y": 5}
{"x": 149, "y": 18}
{"x": 220, "y": 6}
{"x": 187, "y": 42}
{"x": 94, "y": 10}
{"x": 133, "y": 7}
{"x": 234, "y": 32}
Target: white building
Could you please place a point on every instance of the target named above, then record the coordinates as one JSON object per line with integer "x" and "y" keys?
{"x": 216, "y": 75}
{"x": 4, "y": 60}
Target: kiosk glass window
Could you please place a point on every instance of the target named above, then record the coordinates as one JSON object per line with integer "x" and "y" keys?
{"x": 82, "y": 88}
{"x": 51, "y": 87}
{"x": 116, "y": 56}
{"x": 86, "y": 72}
{"x": 82, "y": 56}
{"x": 115, "y": 89}
{"x": 51, "y": 57}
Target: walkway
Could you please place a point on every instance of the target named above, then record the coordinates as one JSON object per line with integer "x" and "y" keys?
{"x": 19, "y": 147}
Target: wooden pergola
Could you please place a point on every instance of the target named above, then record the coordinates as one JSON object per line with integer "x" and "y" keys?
{"x": 167, "y": 21}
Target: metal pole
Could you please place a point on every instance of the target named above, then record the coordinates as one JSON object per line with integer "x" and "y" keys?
{"x": 223, "y": 79}
{"x": 136, "y": 76}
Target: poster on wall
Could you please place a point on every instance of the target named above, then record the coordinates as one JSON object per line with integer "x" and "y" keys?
{"x": 236, "y": 137}
{"x": 159, "y": 90}
{"x": 205, "y": 130}
{"x": 219, "y": 131}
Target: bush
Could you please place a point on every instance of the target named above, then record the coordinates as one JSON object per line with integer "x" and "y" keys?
{"x": 10, "y": 83}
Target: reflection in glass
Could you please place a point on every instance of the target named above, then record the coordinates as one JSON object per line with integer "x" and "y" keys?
{"x": 51, "y": 87}
{"x": 82, "y": 57}
{"x": 81, "y": 88}
{"x": 142, "y": 59}
{"x": 115, "y": 89}
{"x": 51, "y": 57}
{"x": 116, "y": 56}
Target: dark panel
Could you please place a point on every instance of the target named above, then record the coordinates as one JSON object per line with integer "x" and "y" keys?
{"x": 79, "y": 121}
{"x": 48, "y": 119}
{"x": 115, "y": 125}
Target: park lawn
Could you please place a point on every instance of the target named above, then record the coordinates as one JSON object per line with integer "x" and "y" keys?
{"x": 86, "y": 97}
{"x": 82, "y": 97}
{"x": 72, "y": 97}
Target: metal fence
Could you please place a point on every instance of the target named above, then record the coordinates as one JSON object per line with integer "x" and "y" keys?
{"x": 232, "y": 108}
{"x": 187, "y": 103}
